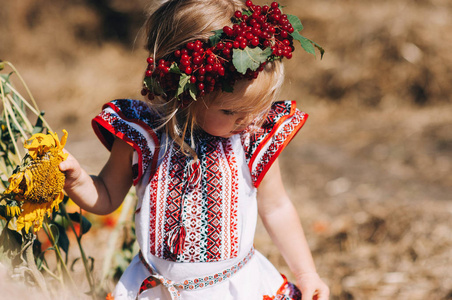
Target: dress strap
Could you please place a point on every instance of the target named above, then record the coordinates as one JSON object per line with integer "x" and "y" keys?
{"x": 189, "y": 284}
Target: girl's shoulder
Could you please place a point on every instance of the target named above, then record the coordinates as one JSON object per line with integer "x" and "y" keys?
{"x": 133, "y": 111}
{"x": 264, "y": 144}
{"x": 281, "y": 110}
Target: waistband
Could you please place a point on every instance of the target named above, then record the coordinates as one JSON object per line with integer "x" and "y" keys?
{"x": 190, "y": 284}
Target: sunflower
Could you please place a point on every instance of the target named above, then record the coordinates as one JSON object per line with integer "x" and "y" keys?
{"x": 37, "y": 184}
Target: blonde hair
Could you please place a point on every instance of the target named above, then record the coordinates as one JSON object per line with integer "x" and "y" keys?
{"x": 177, "y": 22}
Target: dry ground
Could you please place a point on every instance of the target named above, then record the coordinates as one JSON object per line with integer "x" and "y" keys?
{"x": 371, "y": 172}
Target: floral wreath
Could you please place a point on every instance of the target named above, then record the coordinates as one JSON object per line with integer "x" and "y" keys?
{"x": 259, "y": 34}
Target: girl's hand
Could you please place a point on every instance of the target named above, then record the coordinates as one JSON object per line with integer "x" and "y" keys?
{"x": 312, "y": 287}
{"x": 72, "y": 170}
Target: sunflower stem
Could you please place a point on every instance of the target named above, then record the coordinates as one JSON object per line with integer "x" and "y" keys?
{"x": 39, "y": 279}
{"x": 14, "y": 119}
{"x": 58, "y": 253}
{"x": 24, "y": 84}
{"x": 88, "y": 273}
{"x": 8, "y": 124}
{"x": 22, "y": 114}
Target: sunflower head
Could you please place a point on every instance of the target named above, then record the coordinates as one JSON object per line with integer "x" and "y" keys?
{"x": 38, "y": 182}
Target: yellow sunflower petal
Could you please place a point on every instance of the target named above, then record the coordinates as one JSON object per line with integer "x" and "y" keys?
{"x": 32, "y": 215}
{"x": 14, "y": 183}
{"x": 55, "y": 203}
{"x": 28, "y": 182}
{"x": 12, "y": 211}
{"x": 60, "y": 145}
{"x": 64, "y": 138}
{"x": 38, "y": 144}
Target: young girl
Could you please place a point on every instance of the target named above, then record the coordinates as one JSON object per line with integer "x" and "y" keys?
{"x": 202, "y": 152}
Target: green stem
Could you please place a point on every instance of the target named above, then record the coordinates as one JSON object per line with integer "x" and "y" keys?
{"x": 15, "y": 121}
{"x": 22, "y": 114}
{"x": 58, "y": 252}
{"x": 88, "y": 273}
{"x": 34, "y": 109}
{"x": 24, "y": 84}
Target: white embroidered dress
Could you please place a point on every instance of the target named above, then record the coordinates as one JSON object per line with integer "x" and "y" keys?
{"x": 212, "y": 200}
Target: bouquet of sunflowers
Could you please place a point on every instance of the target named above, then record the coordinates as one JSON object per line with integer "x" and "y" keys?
{"x": 32, "y": 199}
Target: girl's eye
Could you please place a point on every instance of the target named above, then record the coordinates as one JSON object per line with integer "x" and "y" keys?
{"x": 228, "y": 112}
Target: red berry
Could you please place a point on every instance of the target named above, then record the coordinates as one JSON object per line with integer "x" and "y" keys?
{"x": 228, "y": 30}
{"x": 200, "y": 86}
{"x": 150, "y": 60}
{"x": 188, "y": 70}
{"x": 148, "y": 73}
{"x": 238, "y": 14}
{"x": 274, "y": 5}
{"x": 248, "y": 3}
{"x": 192, "y": 79}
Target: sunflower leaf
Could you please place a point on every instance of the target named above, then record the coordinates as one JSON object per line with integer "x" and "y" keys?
{"x": 85, "y": 225}
{"x": 10, "y": 242}
{"x": 63, "y": 240}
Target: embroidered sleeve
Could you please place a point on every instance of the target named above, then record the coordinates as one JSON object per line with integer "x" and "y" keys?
{"x": 130, "y": 121}
{"x": 263, "y": 146}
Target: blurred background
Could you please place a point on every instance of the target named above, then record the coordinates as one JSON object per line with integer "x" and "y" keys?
{"x": 371, "y": 171}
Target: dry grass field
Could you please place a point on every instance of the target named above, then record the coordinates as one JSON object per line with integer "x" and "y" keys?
{"x": 371, "y": 171}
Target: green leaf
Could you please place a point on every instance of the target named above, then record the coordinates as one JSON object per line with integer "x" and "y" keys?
{"x": 214, "y": 39}
{"x": 84, "y": 223}
{"x": 63, "y": 240}
{"x": 247, "y": 13}
{"x": 39, "y": 128}
{"x": 10, "y": 242}
{"x": 153, "y": 85}
{"x": 183, "y": 81}
{"x": 192, "y": 90}
{"x": 305, "y": 43}
{"x": 296, "y": 23}
{"x": 175, "y": 69}
{"x": 249, "y": 58}
{"x": 60, "y": 236}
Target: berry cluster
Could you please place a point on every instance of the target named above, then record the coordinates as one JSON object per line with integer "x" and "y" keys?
{"x": 202, "y": 67}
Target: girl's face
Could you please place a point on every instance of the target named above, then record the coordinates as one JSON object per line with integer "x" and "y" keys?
{"x": 223, "y": 122}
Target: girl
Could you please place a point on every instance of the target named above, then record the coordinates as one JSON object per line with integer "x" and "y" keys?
{"x": 202, "y": 153}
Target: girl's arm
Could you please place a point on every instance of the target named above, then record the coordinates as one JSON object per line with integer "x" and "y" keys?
{"x": 283, "y": 225}
{"x": 104, "y": 193}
